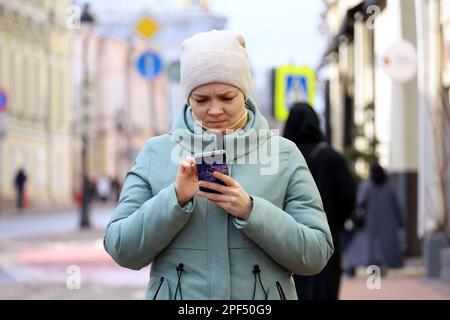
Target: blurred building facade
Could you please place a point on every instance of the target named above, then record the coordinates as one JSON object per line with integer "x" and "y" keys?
{"x": 35, "y": 72}
{"x": 378, "y": 111}
{"x": 121, "y": 116}
{"x": 433, "y": 36}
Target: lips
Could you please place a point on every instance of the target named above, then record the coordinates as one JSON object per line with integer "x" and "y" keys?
{"x": 215, "y": 123}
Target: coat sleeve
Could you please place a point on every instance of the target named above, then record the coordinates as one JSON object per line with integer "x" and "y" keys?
{"x": 298, "y": 236}
{"x": 143, "y": 224}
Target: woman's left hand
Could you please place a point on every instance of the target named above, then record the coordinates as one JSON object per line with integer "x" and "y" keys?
{"x": 232, "y": 197}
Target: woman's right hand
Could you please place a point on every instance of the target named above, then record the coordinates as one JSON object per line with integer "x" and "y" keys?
{"x": 186, "y": 183}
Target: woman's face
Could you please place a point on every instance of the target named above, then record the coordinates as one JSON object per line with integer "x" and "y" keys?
{"x": 218, "y": 106}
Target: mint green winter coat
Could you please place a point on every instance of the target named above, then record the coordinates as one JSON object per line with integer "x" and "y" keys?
{"x": 199, "y": 251}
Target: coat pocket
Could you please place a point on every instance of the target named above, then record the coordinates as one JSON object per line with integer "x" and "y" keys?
{"x": 158, "y": 289}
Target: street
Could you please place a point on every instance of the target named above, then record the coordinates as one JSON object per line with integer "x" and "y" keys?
{"x": 39, "y": 254}
{"x": 46, "y": 256}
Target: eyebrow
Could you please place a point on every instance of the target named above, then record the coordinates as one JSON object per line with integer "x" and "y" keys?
{"x": 226, "y": 92}
{"x": 198, "y": 95}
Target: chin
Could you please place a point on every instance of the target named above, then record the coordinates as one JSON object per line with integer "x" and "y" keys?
{"x": 222, "y": 130}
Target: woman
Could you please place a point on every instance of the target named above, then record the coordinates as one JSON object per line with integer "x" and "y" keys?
{"x": 265, "y": 223}
{"x": 337, "y": 190}
{"x": 377, "y": 242}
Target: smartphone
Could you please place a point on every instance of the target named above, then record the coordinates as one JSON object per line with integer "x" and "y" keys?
{"x": 208, "y": 162}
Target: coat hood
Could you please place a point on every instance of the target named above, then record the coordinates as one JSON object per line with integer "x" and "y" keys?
{"x": 194, "y": 139}
{"x": 302, "y": 125}
{"x": 303, "y": 128}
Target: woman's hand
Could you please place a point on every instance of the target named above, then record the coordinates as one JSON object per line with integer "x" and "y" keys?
{"x": 186, "y": 183}
{"x": 233, "y": 197}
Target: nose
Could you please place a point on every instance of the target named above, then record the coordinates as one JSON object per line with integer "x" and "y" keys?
{"x": 215, "y": 109}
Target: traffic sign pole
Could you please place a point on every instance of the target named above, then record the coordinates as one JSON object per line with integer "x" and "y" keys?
{"x": 149, "y": 66}
{"x": 151, "y": 90}
{"x": 146, "y": 28}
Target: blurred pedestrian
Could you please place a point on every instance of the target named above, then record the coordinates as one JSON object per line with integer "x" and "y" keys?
{"x": 92, "y": 193}
{"x": 376, "y": 241}
{"x": 78, "y": 194}
{"x": 337, "y": 189}
{"x": 116, "y": 187}
{"x": 103, "y": 185}
{"x": 246, "y": 240}
{"x": 19, "y": 183}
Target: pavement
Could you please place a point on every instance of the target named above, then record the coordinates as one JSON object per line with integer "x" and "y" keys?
{"x": 46, "y": 256}
{"x": 408, "y": 283}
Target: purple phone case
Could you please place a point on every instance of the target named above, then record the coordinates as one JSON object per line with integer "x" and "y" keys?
{"x": 205, "y": 171}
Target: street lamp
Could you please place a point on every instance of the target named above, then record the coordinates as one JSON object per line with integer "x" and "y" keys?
{"x": 87, "y": 23}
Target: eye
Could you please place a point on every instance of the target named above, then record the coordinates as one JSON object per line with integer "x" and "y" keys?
{"x": 200, "y": 100}
{"x": 227, "y": 98}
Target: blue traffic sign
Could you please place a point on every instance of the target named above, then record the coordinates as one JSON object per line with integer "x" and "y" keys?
{"x": 296, "y": 89}
{"x": 149, "y": 65}
{"x": 3, "y": 100}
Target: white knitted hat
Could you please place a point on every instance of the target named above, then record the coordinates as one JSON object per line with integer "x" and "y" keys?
{"x": 215, "y": 56}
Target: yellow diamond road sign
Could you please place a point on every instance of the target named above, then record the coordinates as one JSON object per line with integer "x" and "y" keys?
{"x": 146, "y": 27}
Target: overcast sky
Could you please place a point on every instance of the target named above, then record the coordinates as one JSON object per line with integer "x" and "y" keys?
{"x": 276, "y": 31}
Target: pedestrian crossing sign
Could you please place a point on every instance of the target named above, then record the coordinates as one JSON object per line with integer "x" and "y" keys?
{"x": 292, "y": 84}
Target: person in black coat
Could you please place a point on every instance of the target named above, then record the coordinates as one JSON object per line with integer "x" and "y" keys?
{"x": 19, "y": 183}
{"x": 337, "y": 188}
